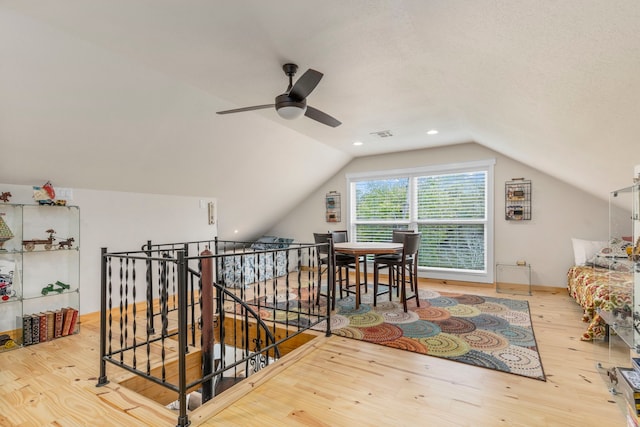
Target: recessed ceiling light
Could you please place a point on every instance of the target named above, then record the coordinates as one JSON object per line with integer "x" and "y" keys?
{"x": 357, "y": 143}
{"x": 432, "y": 132}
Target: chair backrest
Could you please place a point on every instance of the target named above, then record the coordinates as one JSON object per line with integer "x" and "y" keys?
{"x": 322, "y": 238}
{"x": 398, "y": 235}
{"x": 411, "y": 244}
{"x": 340, "y": 236}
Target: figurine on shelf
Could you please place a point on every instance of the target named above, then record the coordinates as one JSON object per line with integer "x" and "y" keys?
{"x": 5, "y": 196}
{"x": 5, "y": 232}
{"x": 44, "y": 195}
{"x": 67, "y": 243}
{"x": 30, "y": 245}
{"x": 58, "y": 287}
{"x": 6, "y": 281}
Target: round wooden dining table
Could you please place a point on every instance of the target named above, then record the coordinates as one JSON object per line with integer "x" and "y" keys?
{"x": 358, "y": 249}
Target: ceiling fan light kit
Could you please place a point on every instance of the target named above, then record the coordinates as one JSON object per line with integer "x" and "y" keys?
{"x": 293, "y": 103}
{"x": 288, "y": 108}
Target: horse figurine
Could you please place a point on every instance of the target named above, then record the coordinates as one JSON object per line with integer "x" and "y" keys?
{"x": 66, "y": 243}
{"x": 5, "y": 196}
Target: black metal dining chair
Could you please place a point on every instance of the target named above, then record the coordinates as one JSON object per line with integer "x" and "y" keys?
{"x": 403, "y": 269}
{"x": 396, "y": 237}
{"x": 331, "y": 263}
{"x": 347, "y": 263}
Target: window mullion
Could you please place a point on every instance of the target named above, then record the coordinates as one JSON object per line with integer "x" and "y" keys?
{"x": 413, "y": 217}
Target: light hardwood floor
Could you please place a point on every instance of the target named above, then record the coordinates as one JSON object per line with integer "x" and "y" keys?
{"x": 335, "y": 382}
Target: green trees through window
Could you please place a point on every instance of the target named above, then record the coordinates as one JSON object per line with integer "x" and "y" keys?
{"x": 449, "y": 209}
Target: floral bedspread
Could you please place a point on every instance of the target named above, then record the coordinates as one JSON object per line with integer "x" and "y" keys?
{"x": 594, "y": 288}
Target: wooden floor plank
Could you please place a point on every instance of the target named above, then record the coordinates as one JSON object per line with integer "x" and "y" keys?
{"x": 334, "y": 381}
{"x": 345, "y": 382}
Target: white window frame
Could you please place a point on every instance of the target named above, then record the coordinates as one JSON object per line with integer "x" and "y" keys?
{"x": 483, "y": 276}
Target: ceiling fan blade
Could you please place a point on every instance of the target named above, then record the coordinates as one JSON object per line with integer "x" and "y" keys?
{"x": 305, "y": 84}
{"x": 240, "y": 110}
{"x": 321, "y": 117}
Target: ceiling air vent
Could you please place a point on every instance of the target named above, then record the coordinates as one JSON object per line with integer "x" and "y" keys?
{"x": 383, "y": 133}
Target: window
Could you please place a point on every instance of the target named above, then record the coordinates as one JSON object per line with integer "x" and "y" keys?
{"x": 450, "y": 205}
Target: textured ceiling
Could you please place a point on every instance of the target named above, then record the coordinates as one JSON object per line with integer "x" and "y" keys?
{"x": 132, "y": 86}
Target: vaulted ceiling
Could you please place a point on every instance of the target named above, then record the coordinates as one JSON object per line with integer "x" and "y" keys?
{"x": 122, "y": 94}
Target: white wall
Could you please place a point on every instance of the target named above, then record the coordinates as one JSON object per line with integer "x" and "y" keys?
{"x": 559, "y": 210}
{"x": 123, "y": 221}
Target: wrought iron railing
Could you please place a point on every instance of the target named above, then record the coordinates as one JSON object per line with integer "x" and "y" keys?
{"x": 155, "y": 312}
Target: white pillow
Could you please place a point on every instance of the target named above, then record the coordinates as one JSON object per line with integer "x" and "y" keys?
{"x": 584, "y": 250}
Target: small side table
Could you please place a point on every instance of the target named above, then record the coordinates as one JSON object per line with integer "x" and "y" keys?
{"x": 513, "y": 278}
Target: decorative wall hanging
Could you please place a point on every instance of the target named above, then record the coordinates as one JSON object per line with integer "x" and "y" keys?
{"x": 332, "y": 201}
{"x": 211, "y": 213}
{"x": 517, "y": 199}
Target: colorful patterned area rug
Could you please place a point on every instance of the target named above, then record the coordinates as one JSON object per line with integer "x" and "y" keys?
{"x": 494, "y": 333}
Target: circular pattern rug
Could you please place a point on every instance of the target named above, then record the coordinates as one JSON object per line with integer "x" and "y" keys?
{"x": 398, "y": 316}
{"x": 432, "y": 313}
{"x": 381, "y": 333}
{"x": 489, "y": 332}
